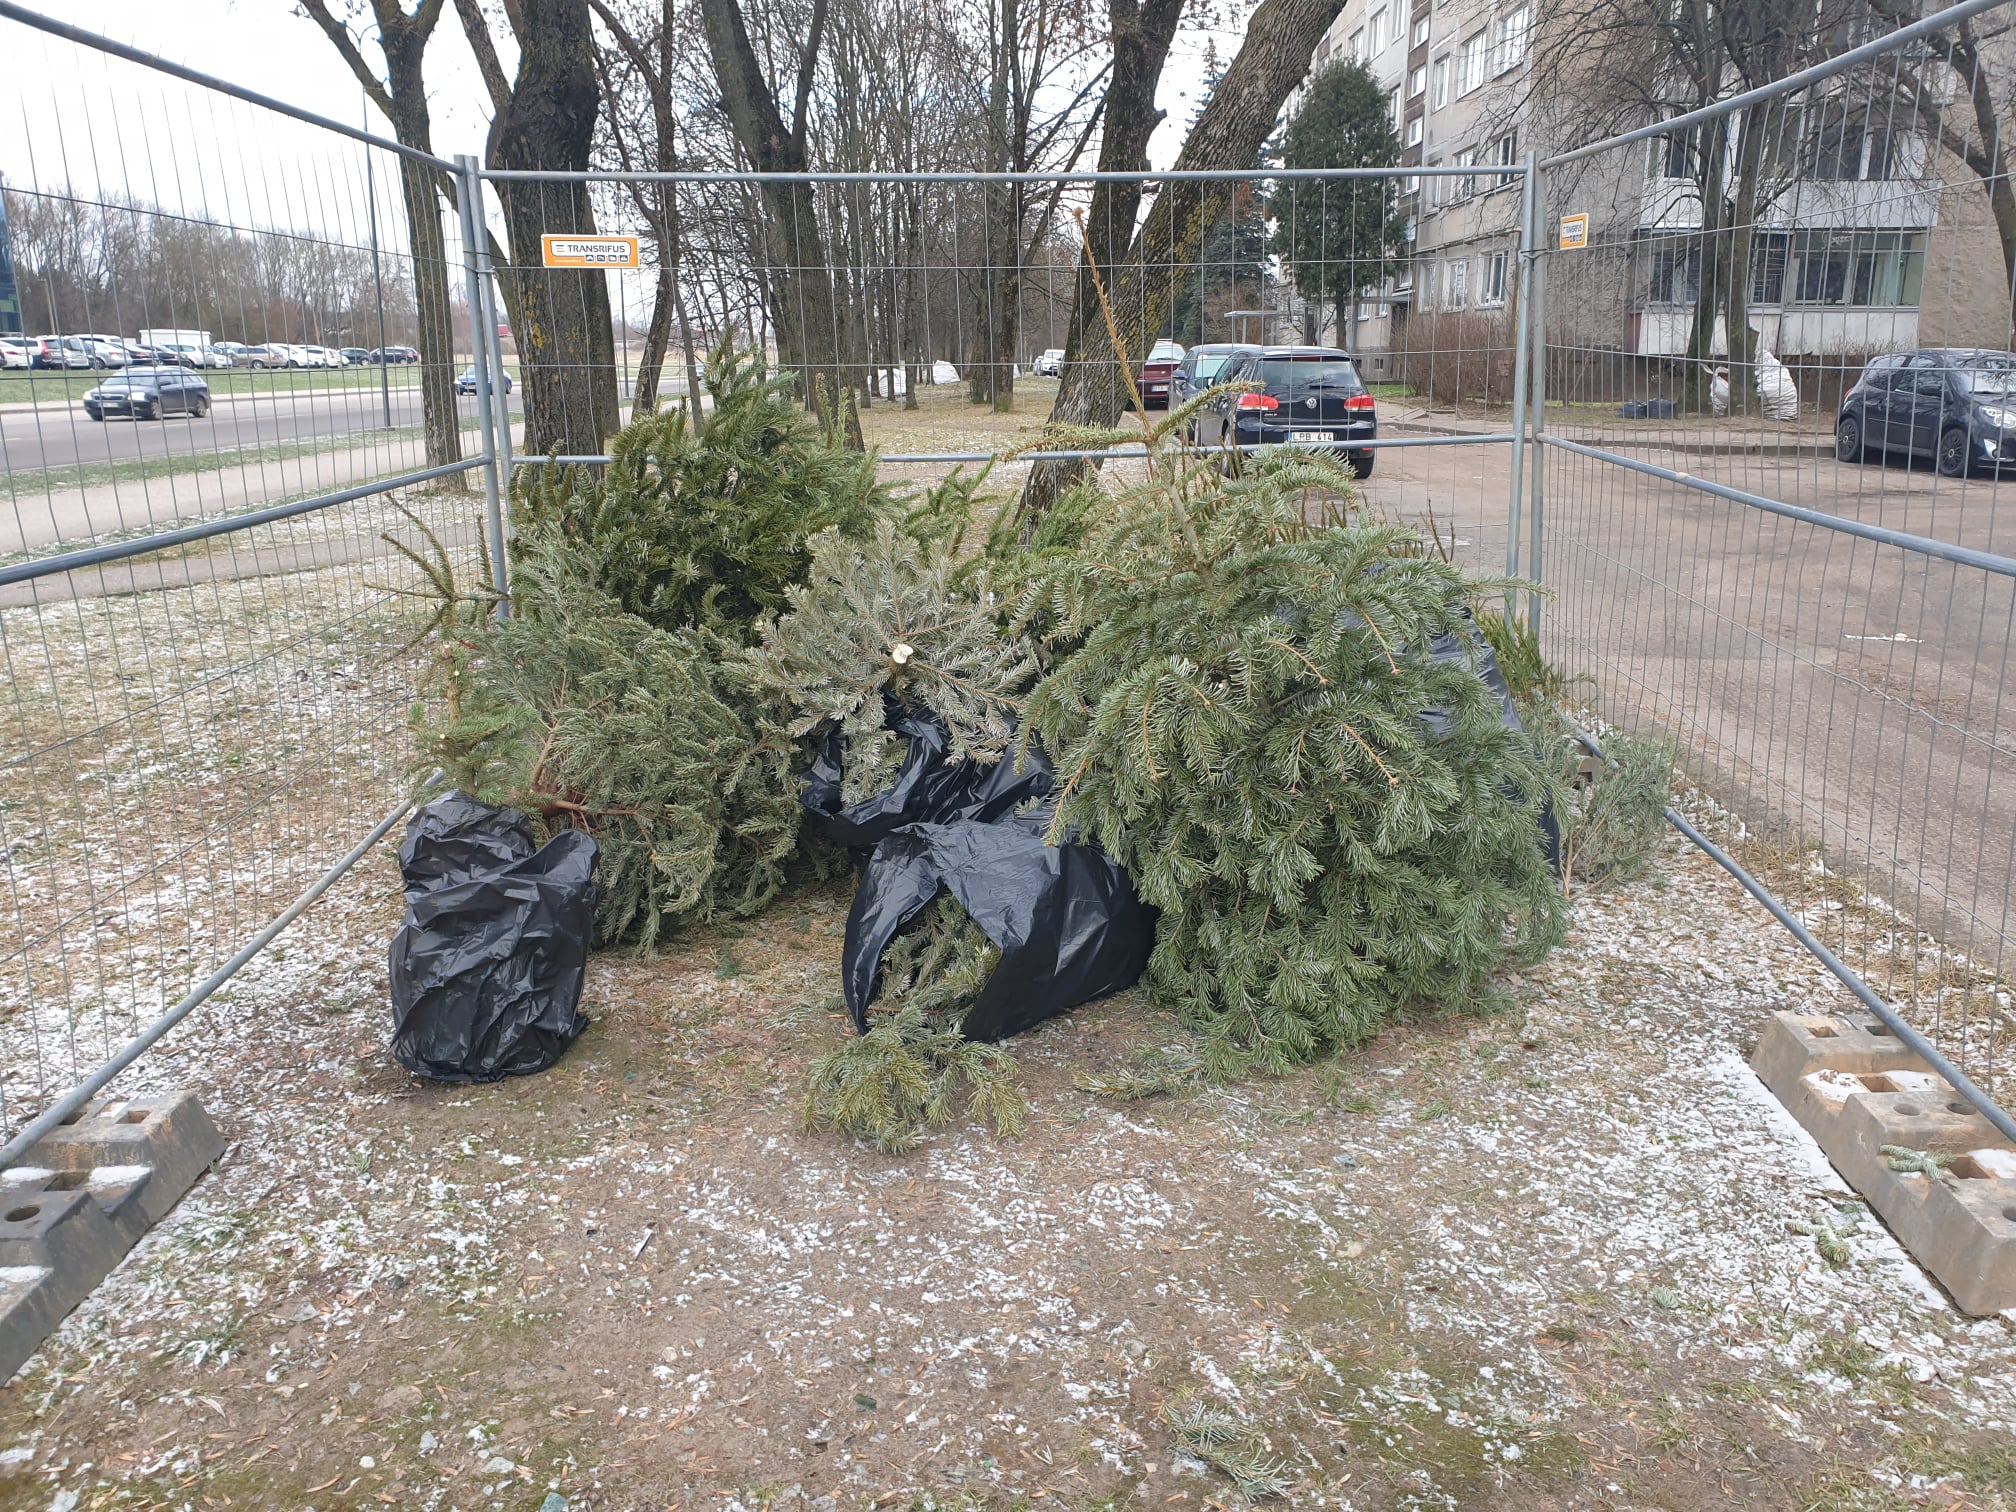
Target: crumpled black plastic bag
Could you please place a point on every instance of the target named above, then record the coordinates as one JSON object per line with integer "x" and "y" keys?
{"x": 487, "y": 968}
{"x": 928, "y": 788}
{"x": 1066, "y": 918}
{"x": 1471, "y": 650}
{"x": 1068, "y": 922}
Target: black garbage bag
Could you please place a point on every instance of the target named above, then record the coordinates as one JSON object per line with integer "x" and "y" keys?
{"x": 1066, "y": 918}
{"x": 928, "y": 787}
{"x": 1470, "y": 649}
{"x": 488, "y": 966}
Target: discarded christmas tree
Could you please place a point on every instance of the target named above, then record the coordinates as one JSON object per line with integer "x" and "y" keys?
{"x": 1237, "y": 717}
{"x": 704, "y": 527}
{"x": 885, "y": 618}
{"x": 648, "y": 738}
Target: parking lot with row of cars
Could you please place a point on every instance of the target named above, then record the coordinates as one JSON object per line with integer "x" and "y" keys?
{"x": 182, "y": 348}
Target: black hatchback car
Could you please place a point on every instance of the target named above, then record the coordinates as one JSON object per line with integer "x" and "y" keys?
{"x": 1956, "y": 405}
{"x": 465, "y": 381}
{"x": 1302, "y": 396}
{"x": 149, "y": 393}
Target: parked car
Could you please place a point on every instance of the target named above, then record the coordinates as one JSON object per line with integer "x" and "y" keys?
{"x": 1955, "y": 405}
{"x": 1200, "y": 368}
{"x": 104, "y": 351}
{"x": 393, "y": 355}
{"x": 355, "y": 356}
{"x": 232, "y": 349}
{"x": 68, "y": 352}
{"x": 1050, "y": 364}
{"x": 272, "y": 354}
{"x": 465, "y": 382}
{"x": 215, "y": 357}
{"x": 19, "y": 351}
{"x": 1155, "y": 374}
{"x": 181, "y": 352}
{"x": 149, "y": 393}
{"x": 1302, "y": 396}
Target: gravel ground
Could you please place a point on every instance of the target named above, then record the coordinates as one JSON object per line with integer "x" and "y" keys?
{"x": 1538, "y": 1258}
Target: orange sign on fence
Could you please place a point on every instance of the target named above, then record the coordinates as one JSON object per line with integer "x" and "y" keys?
{"x": 592, "y": 252}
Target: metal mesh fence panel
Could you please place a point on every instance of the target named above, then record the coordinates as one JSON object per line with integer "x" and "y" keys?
{"x": 228, "y": 349}
{"x": 1772, "y": 502}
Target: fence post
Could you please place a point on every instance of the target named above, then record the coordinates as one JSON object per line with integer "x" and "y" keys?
{"x": 493, "y": 344}
{"x": 1536, "y": 321}
{"x": 469, "y": 199}
{"x": 1522, "y": 341}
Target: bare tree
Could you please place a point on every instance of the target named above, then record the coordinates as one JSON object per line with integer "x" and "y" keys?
{"x": 401, "y": 96}
{"x": 1228, "y": 133}
{"x": 545, "y": 119}
{"x": 651, "y": 60}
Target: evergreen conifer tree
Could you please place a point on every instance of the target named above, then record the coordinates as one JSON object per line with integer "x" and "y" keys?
{"x": 704, "y": 526}
{"x": 1236, "y": 714}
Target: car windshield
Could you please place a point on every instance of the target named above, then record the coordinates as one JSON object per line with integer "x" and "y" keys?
{"x": 1309, "y": 372}
{"x": 1166, "y": 351}
{"x": 1209, "y": 364}
{"x": 141, "y": 379}
{"x": 1991, "y": 377}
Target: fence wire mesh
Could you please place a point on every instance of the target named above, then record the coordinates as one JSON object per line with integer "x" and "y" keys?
{"x": 193, "y": 733}
{"x": 190, "y": 735}
{"x": 1776, "y": 377}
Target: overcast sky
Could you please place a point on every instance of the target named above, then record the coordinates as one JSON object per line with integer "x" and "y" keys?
{"x": 265, "y": 45}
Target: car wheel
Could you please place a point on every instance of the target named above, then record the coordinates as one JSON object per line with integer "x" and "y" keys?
{"x": 1848, "y": 440}
{"x": 1361, "y": 464}
{"x": 150, "y": 412}
{"x": 202, "y": 406}
{"x": 1953, "y": 453}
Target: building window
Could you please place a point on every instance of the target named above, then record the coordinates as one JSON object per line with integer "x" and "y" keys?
{"x": 1505, "y": 153}
{"x": 1841, "y": 149}
{"x": 1768, "y": 254}
{"x": 1364, "y": 310}
{"x": 1465, "y": 184}
{"x": 1435, "y": 183}
{"x": 1421, "y": 32}
{"x": 1470, "y": 64}
{"x": 1678, "y": 153}
{"x": 1458, "y": 286}
{"x": 1509, "y": 39}
{"x": 1413, "y": 183}
{"x": 1492, "y": 290}
{"x": 1885, "y": 268}
{"x": 1673, "y": 271}
{"x": 1393, "y": 106}
{"x": 1440, "y": 95}
{"x": 1385, "y": 310}
{"x": 1375, "y": 32}
{"x": 1358, "y": 45}
{"x": 1417, "y": 81}
{"x": 1414, "y": 132}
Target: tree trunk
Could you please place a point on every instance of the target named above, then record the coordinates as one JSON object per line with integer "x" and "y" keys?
{"x": 1229, "y": 133}
{"x": 1989, "y": 160}
{"x": 798, "y": 280}
{"x": 1711, "y": 183}
{"x": 566, "y": 347}
{"x": 1742, "y": 231}
{"x": 651, "y": 360}
{"x": 404, "y": 48}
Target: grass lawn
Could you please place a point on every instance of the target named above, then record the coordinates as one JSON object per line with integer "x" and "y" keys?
{"x": 41, "y": 386}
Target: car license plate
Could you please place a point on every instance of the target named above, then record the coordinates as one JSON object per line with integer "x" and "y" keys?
{"x": 1311, "y": 436}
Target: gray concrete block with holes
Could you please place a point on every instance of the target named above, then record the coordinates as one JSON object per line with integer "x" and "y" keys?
{"x": 1856, "y": 1089}
{"x": 82, "y": 1199}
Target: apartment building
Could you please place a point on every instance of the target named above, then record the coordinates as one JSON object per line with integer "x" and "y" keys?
{"x": 1454, "y": 73}
{"x": 1846, "y": 258}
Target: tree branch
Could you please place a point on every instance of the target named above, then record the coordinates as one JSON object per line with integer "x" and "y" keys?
{"x": 477, "y": 29}
{"x": 346, "y": 46}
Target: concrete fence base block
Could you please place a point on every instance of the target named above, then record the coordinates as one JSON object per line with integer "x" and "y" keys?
{"x": 1855, "y": 1089}
{"x": 83, "y": 1198}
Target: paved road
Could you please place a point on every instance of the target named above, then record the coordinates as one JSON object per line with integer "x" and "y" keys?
{"x": 58, "y": 434}
{"x": 1841, "y": 694}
